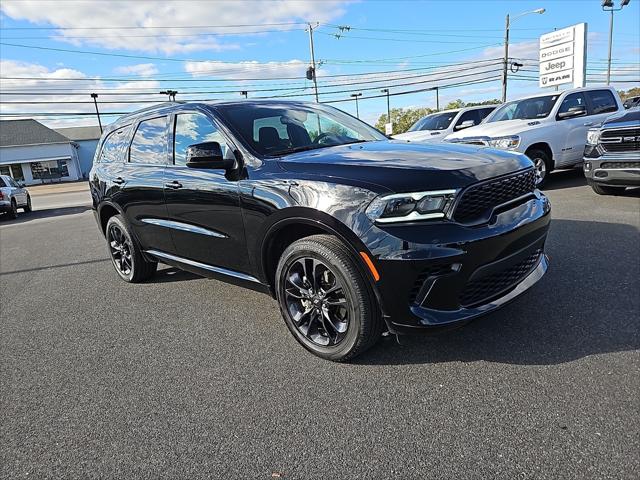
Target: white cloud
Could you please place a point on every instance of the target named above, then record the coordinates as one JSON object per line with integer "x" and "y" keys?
{"x": 40, "y": 87}
{"x": 88, "y": 18}
{"x": 141, "y": 69}
{"x": 248, "y": 69}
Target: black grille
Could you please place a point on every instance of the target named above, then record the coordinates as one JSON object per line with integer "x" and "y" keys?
{"x": 620, "y": 165}
{"x": 489, "y": 287}
{"x": 429, "y": 272}
{"x": 620, "y": 140}
{"x": 479, "y": 200}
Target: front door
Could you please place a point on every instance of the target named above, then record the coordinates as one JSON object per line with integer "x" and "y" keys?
{"x": 203, "y": 204}
{"x": 575, "y": 129}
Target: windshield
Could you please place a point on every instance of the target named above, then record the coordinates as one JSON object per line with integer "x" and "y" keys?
{"x": 282, "y": 128}
{"x": 526, "y": 109}
{"x": 435, "y": 121}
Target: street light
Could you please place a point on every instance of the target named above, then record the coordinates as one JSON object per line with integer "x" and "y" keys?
{"x": 608, "y": 6}
{"x": 95, "y": 102}
{"x": 539, "y": 11}
{"x": 356, "y": 95}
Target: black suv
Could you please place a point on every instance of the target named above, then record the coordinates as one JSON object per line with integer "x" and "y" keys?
{"x": 354, "y": 234}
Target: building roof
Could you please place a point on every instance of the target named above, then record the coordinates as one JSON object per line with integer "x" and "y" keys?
{"x": 27, "y": 132}
{"x": 78, "y": 134}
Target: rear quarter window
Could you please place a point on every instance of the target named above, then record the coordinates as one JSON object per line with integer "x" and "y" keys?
{"x": 113, "y": 146}
{"x": 602, "y": 101}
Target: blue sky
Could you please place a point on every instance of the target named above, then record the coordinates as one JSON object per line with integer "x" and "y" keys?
{"x": 420, "y": 43}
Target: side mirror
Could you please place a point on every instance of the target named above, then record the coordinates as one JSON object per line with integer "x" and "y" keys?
{"x": 465, "y": 124}
{"x": 207, "y": 155}
{"x": 573, "y": 112}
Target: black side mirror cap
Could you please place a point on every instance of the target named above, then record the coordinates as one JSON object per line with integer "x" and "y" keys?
{"x": 207, "y": 155}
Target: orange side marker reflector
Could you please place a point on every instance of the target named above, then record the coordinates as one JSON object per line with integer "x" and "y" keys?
{"x": 372, "y": 267}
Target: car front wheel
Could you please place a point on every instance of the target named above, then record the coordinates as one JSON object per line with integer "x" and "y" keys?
{"x": 27, "y": 208}
{"x": 542, "y": 164}
{"x": 125, "y": 254}
{"x": 326, "y": 301}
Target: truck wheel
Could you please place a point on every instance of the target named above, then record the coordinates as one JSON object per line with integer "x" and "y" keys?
{"x": 327, "y": 303}
{"x": 542, "y": 164}
{"x": 605, "y": 189}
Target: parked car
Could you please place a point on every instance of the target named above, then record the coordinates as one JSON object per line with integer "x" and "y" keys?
{"x": 436, "y": 126}
{"x": 551, "y": 129}
{"x": 13, "y": 196}
{"x": 612, "y": 154}
{"x": 352, "y": 233}
{"x": 632, "y": 102}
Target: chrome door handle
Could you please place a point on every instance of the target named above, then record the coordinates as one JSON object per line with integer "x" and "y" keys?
{"x": 175, "y": 185}
{"x": 118, "y": 180}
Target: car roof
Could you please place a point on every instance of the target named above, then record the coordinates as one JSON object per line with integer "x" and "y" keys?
{"x": 561, "y": 92}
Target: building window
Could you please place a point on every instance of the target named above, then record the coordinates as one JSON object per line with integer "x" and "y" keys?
{"x": 49, "y": 169}
{"x": 13, "y": 170}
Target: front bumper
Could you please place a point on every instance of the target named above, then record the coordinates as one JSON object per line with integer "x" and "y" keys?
{"x": 615, "y": 170}
{"x": 436, "y": 275}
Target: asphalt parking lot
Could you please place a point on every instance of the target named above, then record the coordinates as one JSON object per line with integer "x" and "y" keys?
{"x": 184, "y": 377}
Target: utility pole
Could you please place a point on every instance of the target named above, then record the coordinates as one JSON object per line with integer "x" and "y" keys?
{"x": 505, "y": 60}
{"x": 356, "y": 95}
{"x": 95, "y": 102}
{"x": 608, "y": 6}
{"x": 313, "y": 61}
{"x": 245, "y": 93}
{"x": 437, "y": 100}
{"x": 386, "y": 90}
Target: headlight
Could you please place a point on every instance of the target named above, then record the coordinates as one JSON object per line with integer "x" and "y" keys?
{"x": 406, "y": 207}
{"x": 505, "y": 143}
{"x": 593, "y": 136}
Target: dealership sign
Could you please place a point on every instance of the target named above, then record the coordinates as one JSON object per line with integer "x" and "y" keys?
{"x": 563, "y": 56}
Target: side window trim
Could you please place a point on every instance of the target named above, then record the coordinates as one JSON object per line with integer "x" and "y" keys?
{"x": 133, "y": 136}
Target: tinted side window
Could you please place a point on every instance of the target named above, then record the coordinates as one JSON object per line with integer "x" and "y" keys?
{"x": 114, "y": 145}
{"x": 191, "y": 128}
{"x": 470, "y": 115}
{"x": 12, "y": 182}
{"x": 2, "y": 184}
{"x": 572, "y": 101}
{"x": 149, "y": 144}
{"x": 484, "y": 112}
{"x": 602, "y": 101}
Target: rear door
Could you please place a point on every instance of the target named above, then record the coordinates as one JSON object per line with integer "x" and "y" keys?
{"x": 142, "y": 182}
{"x": 602, "y": 103}
{"x": 203, "y": 204}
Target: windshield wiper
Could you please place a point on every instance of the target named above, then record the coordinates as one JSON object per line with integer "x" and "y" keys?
{"x": 304, "y": 148}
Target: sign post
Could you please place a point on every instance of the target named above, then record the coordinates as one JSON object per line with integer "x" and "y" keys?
{"x": 563, "y": 57}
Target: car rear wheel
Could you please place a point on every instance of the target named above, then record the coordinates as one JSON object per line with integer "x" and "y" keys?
{"x": 327, "y": 303}
{"x": 542, "y": 164}
{"x": 125, "y": 254}
{"x": 13, "y": 211}
{"x": 605, "y": 189}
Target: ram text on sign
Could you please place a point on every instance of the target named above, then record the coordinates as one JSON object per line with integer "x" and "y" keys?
{"x": 553, "y": 79}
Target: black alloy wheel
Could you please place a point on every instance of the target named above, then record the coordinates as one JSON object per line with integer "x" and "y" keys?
{"x": 316, "y": 301}
{"x": 120, "y": 248}
{"x": 327, "y": 299}
{"x": 125, "y": 254}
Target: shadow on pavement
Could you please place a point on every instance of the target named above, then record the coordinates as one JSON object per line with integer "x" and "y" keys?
{"x": 46, "y": 213}
{"x": 575, "y": 178}
{"x": 61, "y": 265}
{"x": 587, "y": 304}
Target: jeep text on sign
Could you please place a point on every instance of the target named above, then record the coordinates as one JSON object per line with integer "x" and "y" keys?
{"x": 557, "y": 65}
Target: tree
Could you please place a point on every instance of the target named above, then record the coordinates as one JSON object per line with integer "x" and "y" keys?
{"x": 402, "y": 118}
{"x": 632, "y": 92}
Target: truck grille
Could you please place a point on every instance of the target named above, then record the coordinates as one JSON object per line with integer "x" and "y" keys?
{"x": 615, "y": 165}
{"x": 489, "y": 287}
{"x": 620, "y": 140}
{"x": 477, "y": 201}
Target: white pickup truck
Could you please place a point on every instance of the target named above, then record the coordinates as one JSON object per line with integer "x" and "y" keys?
{"x": 551, "y": 129}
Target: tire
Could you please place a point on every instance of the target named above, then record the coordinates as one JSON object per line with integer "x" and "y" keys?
{"x": 542, "y": 164}
{"x": 125, "y": 253}
{"x": 605, "y": 189}
{"x": 339, "y": 318}
{"x": 13, "y": 213}
{"x": 27, "y": 208}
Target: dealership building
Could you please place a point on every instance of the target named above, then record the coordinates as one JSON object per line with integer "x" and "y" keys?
{"x": 33, "y": 153}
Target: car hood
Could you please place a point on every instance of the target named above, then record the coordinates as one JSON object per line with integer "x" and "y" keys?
{"x": 498, "y": 129}
{"x": 401, "y": 166}
{"x": 625, "y": 118}
{"x": 422, "y": 136}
